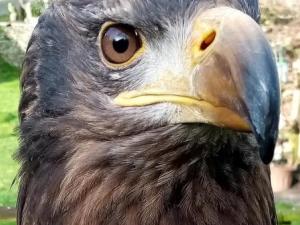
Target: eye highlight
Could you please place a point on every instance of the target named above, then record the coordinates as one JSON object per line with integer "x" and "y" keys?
{"x": 120, "y": 43}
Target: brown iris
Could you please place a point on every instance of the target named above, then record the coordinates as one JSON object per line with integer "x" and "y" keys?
{"x": 119, "y": 43}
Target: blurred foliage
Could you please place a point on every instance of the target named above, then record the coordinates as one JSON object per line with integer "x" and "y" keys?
{"x": 288, "y": 213}
{"x": 37, "y": 7}
{"x": 4, "y": 18}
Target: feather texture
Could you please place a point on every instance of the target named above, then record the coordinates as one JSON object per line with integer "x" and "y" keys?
{"x": 86, "y": 162}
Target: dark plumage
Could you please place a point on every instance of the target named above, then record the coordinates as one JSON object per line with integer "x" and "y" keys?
{"x": 87, "y": 161}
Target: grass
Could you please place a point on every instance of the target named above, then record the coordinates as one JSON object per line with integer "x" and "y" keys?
{"x": 288, "y": 212}
{"x": 4, "y": 18}
{"x": 9, "y": 97}
{"x": 8, "y": 222}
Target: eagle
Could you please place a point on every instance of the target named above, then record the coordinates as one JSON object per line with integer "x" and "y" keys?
{"x": 148, "y": 112}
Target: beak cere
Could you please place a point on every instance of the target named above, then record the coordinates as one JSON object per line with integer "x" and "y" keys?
{"x": 233, "y": 79}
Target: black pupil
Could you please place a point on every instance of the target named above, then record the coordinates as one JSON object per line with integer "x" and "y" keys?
{"x": 120, "y": 43}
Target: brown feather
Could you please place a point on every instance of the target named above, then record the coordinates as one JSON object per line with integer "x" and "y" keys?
{"x": 86, "y": 162}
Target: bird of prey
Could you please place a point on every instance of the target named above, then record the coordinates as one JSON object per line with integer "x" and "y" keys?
{"x": 148, "y": 112}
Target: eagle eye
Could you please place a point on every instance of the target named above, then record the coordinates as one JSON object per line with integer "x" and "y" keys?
{"x": 120, "y": 43}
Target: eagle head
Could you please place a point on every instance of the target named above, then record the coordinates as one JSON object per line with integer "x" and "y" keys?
{"x": 130, "y": 107}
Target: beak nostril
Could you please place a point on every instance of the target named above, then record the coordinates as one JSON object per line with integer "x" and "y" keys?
{"x": 209, "y": 39}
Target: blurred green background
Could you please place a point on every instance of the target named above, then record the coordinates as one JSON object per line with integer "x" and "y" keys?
{"x": 14, "y": 34}
{"x": 9, "y": 92}
{"x": 9, "y": 97}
